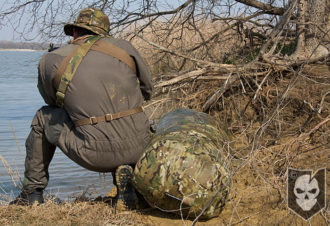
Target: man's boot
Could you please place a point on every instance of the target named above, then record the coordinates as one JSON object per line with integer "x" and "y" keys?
{"x": 25, "y": 198}
{"x": 126, "y": 198}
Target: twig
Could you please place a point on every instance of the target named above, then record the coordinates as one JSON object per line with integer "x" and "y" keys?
{"x": 207, "y": 63}
{"x": 217, "y": 94}
{"x": 278, "y": 29}
{"x": 260, "y": 85}
{"x": 19, "y": 149}
{"x": 323, "y": 214}
{"x": 154, "y": 111}
{"x": 244, "y": 219}
{"x": 209, "y": 203}
{"x": 322, "y": 100}
{"x": 158, "y": 101}
{"x": 9, "y": 170}
{"x": 234, "y": 209}
{"x": 304, "y": 135}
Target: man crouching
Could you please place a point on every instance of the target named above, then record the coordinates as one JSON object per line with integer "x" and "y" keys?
{"x": 93, "y": 89}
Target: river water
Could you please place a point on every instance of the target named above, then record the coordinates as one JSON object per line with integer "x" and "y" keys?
{"x": 19, "y": 100}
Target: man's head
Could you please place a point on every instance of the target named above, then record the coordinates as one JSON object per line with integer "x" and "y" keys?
{"x": 91, "y": 19}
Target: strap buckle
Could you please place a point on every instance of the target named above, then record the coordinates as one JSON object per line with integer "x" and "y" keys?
{"x": 108, "y": 117}
{"x": 92, "y": 120}
{"x": 60, "y": 98}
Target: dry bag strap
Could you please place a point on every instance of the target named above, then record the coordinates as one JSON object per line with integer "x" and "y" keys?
{"x": 107, "y": 117}
{"x": 71, "y": 68}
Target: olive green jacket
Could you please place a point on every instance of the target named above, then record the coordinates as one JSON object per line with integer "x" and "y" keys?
{"x": 101, "y": 85}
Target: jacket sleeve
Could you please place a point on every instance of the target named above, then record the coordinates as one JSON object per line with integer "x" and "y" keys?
{"x": 143, "y": 74}
{"x": 46, "y": 72}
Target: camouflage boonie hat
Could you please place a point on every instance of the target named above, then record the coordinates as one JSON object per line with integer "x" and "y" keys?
{"x": 184, "y": 169}
{"x": 91, "y": 19}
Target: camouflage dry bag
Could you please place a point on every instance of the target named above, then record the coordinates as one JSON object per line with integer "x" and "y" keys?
{"x": 184, "y": 168}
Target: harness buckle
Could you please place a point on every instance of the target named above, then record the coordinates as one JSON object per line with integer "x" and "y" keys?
{"x": 92, "y": 120}
{"x": 108, "y": 117}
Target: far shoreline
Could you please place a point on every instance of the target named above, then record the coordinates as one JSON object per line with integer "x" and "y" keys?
{"x": 23, "y": 50}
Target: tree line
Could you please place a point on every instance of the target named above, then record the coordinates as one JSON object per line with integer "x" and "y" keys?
{"x": 23, "y": 45}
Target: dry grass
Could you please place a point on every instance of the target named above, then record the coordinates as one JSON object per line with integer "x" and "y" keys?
{"x": 81, "y": 213}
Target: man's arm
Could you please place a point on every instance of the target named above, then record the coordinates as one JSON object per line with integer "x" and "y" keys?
{"x": 41, "y": 81}
{"x": 143, "y": 73}
{"x": 144, "y": 76}
{"x": 46, "y": 71}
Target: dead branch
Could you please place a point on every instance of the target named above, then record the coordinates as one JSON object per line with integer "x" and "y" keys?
{"x": 305, "y": 135}
{"x": 273, "y": 37}
{"x": 218, "y": 93}
{"x": 265, "y": 7}
{"x": 205, "y": 63}
{"x": 260, "y": 85}
{"x": 140, "y": 16}
{"x": 322, "y": 101}
{"x": 182, "y": 77}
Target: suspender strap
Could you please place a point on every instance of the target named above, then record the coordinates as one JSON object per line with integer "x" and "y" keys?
{"x": 61, "y": 69}
{"x": 71, "y": 68}
{"x": 114, "y": 51}
{"x": 100, "y": 46}
{"x": 107, "y": 117}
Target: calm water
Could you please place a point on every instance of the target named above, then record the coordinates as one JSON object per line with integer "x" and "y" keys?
{"x": 19, "y": 100}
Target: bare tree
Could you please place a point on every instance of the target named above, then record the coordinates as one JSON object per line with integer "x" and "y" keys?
{"x": 271, "y": 19}
{"x": 310, "y": 19}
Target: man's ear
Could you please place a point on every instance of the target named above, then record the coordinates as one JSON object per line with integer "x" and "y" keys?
{"x": 75, "y": 33}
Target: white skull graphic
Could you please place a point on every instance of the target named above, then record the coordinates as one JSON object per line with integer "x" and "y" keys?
{"x": 306, "y": 192}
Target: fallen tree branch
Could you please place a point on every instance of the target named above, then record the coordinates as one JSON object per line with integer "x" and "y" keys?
{"x": 182, "y": 77}
{"x": 210, "y": 77}
{"x": 215, "y": 97}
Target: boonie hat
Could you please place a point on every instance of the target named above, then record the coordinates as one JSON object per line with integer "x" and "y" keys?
{"x": 91, "y": 19}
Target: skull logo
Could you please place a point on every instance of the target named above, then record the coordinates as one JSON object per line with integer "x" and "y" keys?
{"x": 306, "y": 191}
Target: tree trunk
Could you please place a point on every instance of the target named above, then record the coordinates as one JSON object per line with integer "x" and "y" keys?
{"x": 311, "y": 29}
